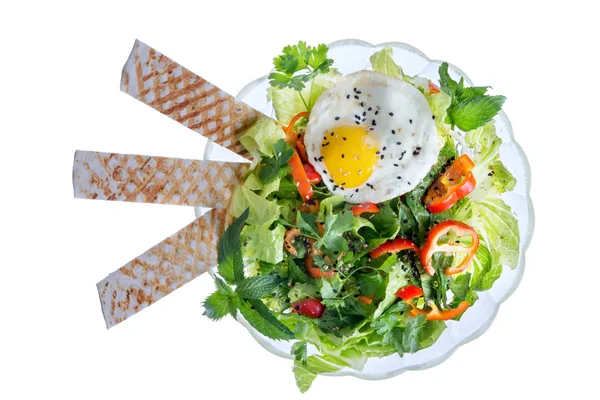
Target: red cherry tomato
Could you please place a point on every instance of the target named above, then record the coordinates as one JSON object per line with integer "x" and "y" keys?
{"x": 312, "y": 308}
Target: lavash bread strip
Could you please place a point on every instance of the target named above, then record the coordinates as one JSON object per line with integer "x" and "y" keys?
{"x": 150, "y": 179}
{"x": 164, "y": 268}
{"x": 175, "y": 91}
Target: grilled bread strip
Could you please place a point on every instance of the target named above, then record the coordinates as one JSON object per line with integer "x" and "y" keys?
{"x": 149, "y": 179}
{"x": 175, "y": 91}
{"x": 164, "y": 268}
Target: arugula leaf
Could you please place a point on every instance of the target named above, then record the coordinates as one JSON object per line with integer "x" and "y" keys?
{"x": 261, "y": 319}
{"x": 459, "y": 285}
{"x": 470, "y": 107}
{"x": 221, "y": 302}
{"x": 372, "y": 283}
{"x": 229, "y": 256}
{"x": 272, "y": 166}
{"x": 255, "y": 287}
{"x": 307, "y": 224}
{"x": 295, "y": 273}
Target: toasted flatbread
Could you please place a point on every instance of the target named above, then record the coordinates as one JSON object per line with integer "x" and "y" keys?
{"x": 175, "y": 91}
{"x": 164, "y": 268}
{"x": 150, "y": 179}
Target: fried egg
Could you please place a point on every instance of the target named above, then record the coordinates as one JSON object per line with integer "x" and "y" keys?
{"x": 371, "y": 137}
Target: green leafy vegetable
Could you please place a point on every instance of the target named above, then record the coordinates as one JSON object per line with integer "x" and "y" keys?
{"x": 263, "y": 244}
{"x": 299, "y": 64}
{"x": 256, "y": 287}
{"x": 271, "y": 167}
{"x": 261, "y": 319}
{"x": 229, "y": 255}
{"x": 262, "y": 211}
{"x": 383, "y": 62}
{"x": 221, "y": 302}
{"x": 470, "y": 107}
{"x": 261, "y": 137}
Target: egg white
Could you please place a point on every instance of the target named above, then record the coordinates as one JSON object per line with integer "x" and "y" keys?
{"x": 396, "y": 114}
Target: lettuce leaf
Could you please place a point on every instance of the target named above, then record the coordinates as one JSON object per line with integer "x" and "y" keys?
{"x": 262, "y": 211}
{"x": 315, "y": 365}
{"x": 396, "y": 280}
{"x": 383, "y": 62}
{"x": 260, "y": 137}
{"x": 263, "y": 244}
{"x": 287, "y": 102}
{"x": 491, "y": 175}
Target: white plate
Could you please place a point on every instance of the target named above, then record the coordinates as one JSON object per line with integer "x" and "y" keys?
{"x": 351, "y": 56}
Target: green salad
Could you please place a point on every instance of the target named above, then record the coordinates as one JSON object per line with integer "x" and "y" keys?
{"x": 374, "y": 259}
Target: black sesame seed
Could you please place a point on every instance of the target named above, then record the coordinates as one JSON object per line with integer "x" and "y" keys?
{"x": 398, "y": 177}
{"x": 316, "y": 159}
{"x": 391, "y": 114}
{"x": 299, "y": 136}
{"x": 356, "y": 97}
{"x": 433, "y": 117}
{"x": 358, "y": 92}
{"x": 398, "y": 143}
{"x": 342, "y": 155}
{"x": 364, "y": 113}
{"x": 374, "y": 122}
{"x": 354, "y": 90}
{"x": 332, "y": 133}
{"x": 369, "y": 109}
{"x": 410, "y": 120}
{"x": 348, "y": 96}
{"x": 331, "y": 181}
{"x": 357, "y": 122}
{"x": 335, "y": 187}
{"x": 393, "y": 132}
{"x": 337, "y": 118}
{"x": 396, "y": 165}
{"x": 324, "y": 171}
{"x": 384, "y": 148}
{"x": 362, "y": 104}
{"x": 376, "y": 112}
{"x": 344, "y": 138}
{"x": 418, "y": 148}
{"x": 356, "y": 190}
{"x": 378, "y": 152}
{"x": 382, "y": 156}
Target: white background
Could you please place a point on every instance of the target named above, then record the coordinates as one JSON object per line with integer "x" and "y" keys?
{"x": 60, "y": 65}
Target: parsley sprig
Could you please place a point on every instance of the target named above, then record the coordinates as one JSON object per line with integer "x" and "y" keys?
{"x": 300, "y": 64}
{"x": 249, "y": 290}
{"x": 470, "y": 107}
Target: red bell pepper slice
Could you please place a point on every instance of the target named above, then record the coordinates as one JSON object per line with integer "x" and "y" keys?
{"x": 311, "y": 173}
{"x": 309, "y": 263}
{"x": 367, "y": 300}
{"x": 365, "y": 207}
{"x": 301, "y": 149}
{"x": 394, "y": 246}
{"x": 456, "y": 182}
{"x": 432, "y": 245}
{"x": 409, "y": 292}
{"x": 290, "y": 136}
{"x": 299, "y": 174}
{"x": 435, "y": 314}
{"x": 433, "y": 88}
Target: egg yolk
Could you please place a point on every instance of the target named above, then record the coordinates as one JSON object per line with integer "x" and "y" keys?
{"x": 350, "y": 155}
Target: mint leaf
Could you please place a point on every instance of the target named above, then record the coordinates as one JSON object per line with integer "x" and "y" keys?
{"x": 261, "y": 319}
{"x": 470, "y": 107}
{"x": 472, "y": 112}
{"x": 256, "y": 287}
{"x": 221, "y": 302}
{"x": 229, "y": 256}
{"x": 271, "y": 167}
